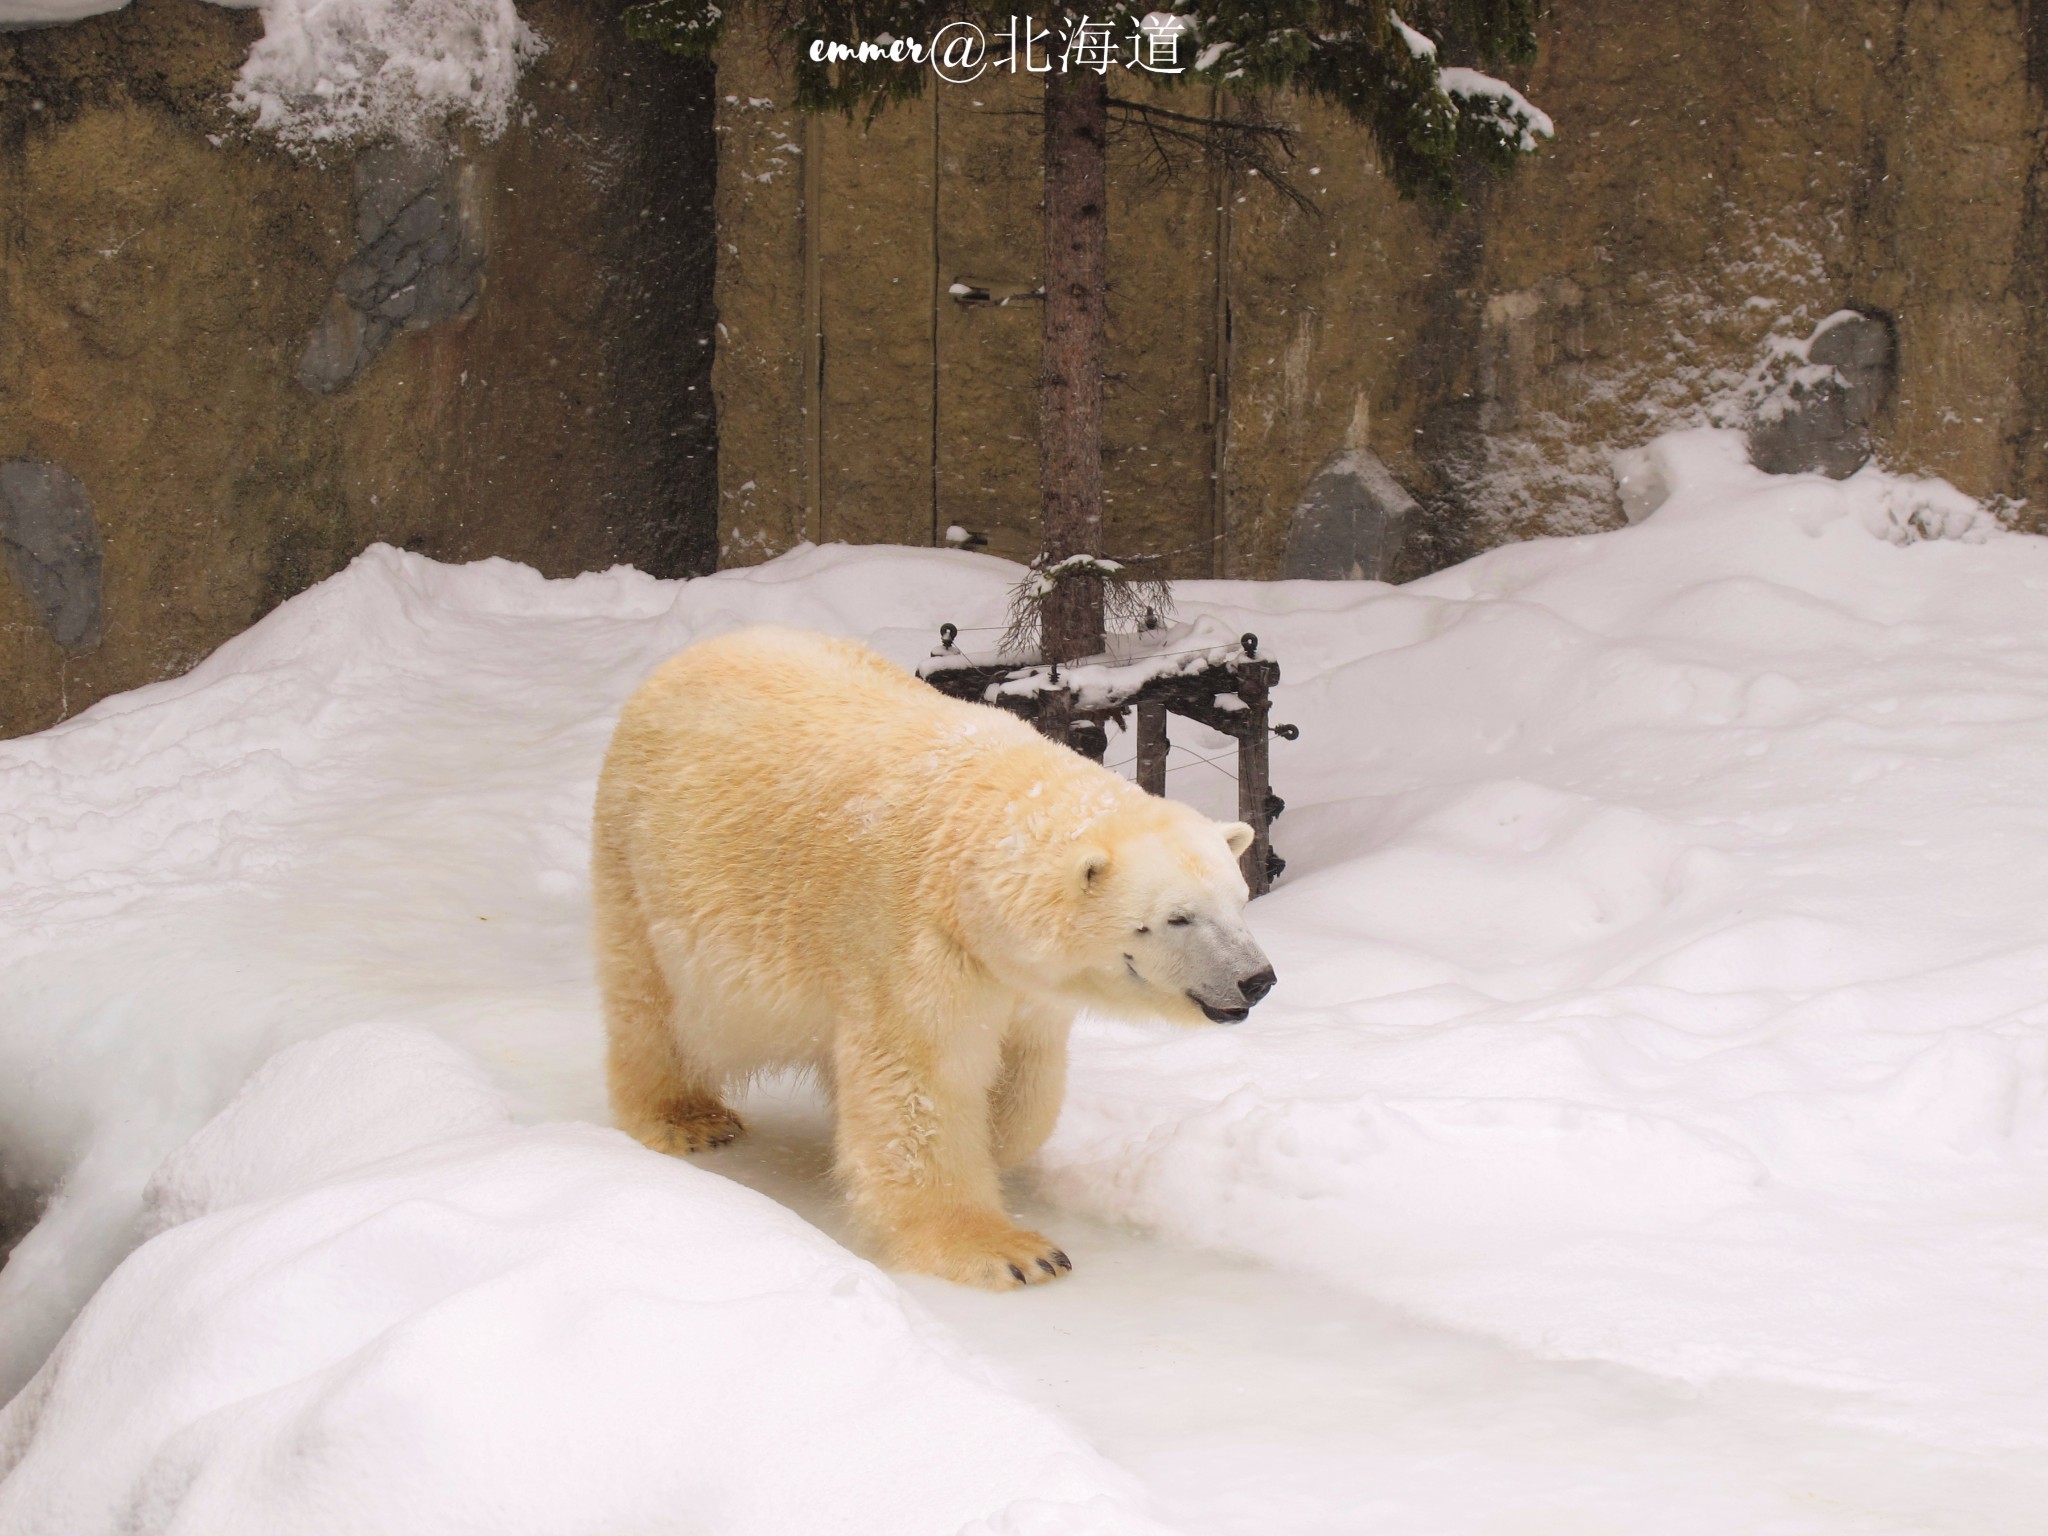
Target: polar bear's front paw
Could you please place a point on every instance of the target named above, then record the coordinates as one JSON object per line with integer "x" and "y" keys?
{"x": 681, "y": 1132}
{"x": 982, "y": 1250}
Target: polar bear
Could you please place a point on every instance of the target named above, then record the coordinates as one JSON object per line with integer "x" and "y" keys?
{"x": 805, "y": 857}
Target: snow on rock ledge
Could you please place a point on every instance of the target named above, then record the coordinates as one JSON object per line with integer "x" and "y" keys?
{"x": 328, "y": 71}
{"x": 407, "y": 1315}
{"x": 349, "y": 71}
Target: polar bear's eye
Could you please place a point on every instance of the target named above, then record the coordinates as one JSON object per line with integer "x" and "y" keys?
{"x": 1178, "y": 920}
{"x": 1142, "y": 928}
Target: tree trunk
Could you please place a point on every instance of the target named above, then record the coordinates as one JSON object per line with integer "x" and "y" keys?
{"x": 1071, "y": 353}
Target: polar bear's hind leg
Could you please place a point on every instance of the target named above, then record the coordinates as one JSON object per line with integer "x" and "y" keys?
{"x": 655, "y": 1096}
{"x": 1024, "y": 1104}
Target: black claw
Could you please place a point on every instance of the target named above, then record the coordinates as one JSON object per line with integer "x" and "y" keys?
{"x": 1042, "y": 1264}
{"x": 1017, "y": 1274}
{"x": 1062, "y": 1260}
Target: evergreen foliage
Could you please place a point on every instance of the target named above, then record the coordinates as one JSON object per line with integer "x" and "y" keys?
{"x": 1380, "y": 63}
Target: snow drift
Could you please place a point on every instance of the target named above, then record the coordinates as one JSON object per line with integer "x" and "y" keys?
{"x": 387, "y": 1309}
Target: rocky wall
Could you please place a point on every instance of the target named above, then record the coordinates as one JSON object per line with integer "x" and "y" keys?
{"x": 225, "y": 370}
{"x": 1722, "y": 176}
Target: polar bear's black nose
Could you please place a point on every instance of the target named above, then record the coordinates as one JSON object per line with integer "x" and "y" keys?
{"x": 1256, "y": 987}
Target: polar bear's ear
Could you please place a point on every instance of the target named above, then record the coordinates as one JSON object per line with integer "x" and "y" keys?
{"x": 1090, "y": 863}
{"x": 1238, "y": 835}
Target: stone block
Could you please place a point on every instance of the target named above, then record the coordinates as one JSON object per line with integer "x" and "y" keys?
{"x": 1349, "y": 523}
{"x": 418, "y": 260}
{"x": 52, "y": 543}
{"x": 1817, "y": 420}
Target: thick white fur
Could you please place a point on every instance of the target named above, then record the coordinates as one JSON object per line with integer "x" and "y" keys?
{"x": 803, "y": 856}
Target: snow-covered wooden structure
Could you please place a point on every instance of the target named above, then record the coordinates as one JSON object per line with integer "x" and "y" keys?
{"x": 1196, "y": 671}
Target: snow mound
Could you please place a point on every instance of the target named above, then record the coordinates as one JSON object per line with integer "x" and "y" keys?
{"x": 334, "y": 1103}
{"x": 419, "y": 1318}
{"x": 1719, "y": 483}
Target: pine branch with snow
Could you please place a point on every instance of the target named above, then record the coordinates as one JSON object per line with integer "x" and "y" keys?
{"x": 1382, "y": 64}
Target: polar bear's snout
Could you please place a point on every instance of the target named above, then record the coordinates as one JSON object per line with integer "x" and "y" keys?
{"x": 1249, "y": 991}
{"x": 1237, "y": 976}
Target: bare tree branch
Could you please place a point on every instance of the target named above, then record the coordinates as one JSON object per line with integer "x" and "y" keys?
{"x": 1249, "y": 144}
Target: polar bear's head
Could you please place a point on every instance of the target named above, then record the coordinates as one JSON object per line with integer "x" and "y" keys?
{"x": 1159, "y": 926}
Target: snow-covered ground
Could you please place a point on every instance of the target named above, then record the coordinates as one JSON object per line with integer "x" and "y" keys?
{"x": 1649, "y": 1133}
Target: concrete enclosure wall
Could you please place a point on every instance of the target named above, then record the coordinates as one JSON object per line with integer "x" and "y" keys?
{"x": 1721, "y": 174}
{"x": 224, "y": 371}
